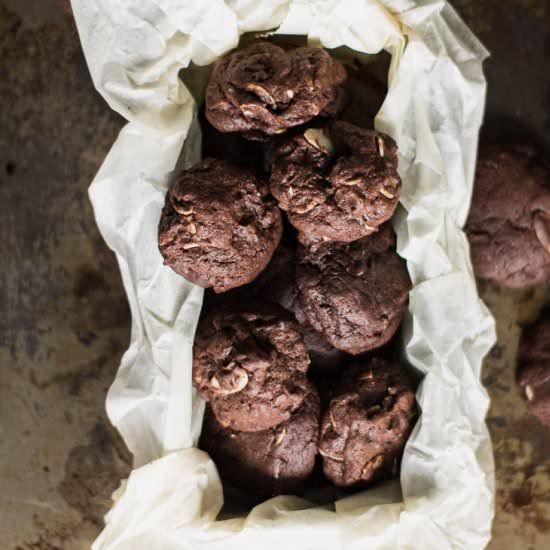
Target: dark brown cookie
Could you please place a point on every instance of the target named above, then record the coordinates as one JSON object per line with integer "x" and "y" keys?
{"x": 218, "y": 227}
{"x": 250, "y": 362}
{"x": 356, "y": 293}
{"x": 263, "y": 89}
{"x": 367, "y": 424}
{"x": 533, "y": 373}
{"x": 509, "y": 223}
{"x": 337, "y": 183}
{"x": 270, "y": 462}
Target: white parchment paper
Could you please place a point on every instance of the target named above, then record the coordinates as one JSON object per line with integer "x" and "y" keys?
{"x": 135, "y": 49}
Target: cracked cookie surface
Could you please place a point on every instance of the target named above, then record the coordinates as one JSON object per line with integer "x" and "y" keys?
{"x": 367, "y": 423}
{"x": 219, "y": 227}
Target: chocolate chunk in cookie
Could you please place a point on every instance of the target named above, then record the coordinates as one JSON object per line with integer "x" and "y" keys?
{"x": 250, "y": 363}
{"x": 356, "y": 293}
{"x": 367, "y": 424}
{"x": 271, "y": 462}
{"x": 509, "y": 223}
{"x": 336, "y": 183}
{"x": 218, "y": 227}
{"x": 264, "y": 90}
{"x": 533, "y": 372}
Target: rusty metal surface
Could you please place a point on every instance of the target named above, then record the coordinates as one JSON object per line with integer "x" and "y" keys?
{"x": 64, "y": 320}
{"x": 63, "y": 316}
{"x": 520, "y": 443}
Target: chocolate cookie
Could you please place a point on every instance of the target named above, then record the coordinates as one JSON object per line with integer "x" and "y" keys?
{"x": 356, "y": 293}
{"x": 263, "y": 89}
{"x": 250, "y": 362}
{"x": 218, "y": 227}
{"x": 270, "y": 462}
{"x": 367, "y": 424}
{"x": 337, "y": 183}
{"x": 509, "y": 223}
{"x": 533, "y": 373}
{"x": 323, "y": 356}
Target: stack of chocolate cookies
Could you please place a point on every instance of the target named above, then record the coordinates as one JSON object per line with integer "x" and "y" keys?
{"x": 286, "y": 224}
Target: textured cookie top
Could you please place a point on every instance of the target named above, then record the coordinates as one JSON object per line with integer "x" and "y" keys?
{"x": 533, "y": 373}
{"x": 250, "y": 363}
{"x": 269, "y": 462}
{"x": 265, "y": 89}
{"x": 337, "y": 182}
{"x": 356, "y": 293}
{"x": 367, "y": 424}
{"x": 509, "y": 222}
{"x": 218, "y": 227}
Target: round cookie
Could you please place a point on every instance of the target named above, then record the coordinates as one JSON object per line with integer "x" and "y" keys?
{"x": 218, "y": 227}
{"x": 270, "y": 462}
{"x": 356, "y": 293}
{"x": 509, "y": 222}
{"x": 367, "y": 424}
{"x": 263, "y": 89}
{"x": 250, "y": 363}
{"x": 337, "y": 183}
{"x": 533, "y": 372}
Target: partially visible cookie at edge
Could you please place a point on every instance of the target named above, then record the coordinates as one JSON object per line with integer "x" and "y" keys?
{"x": 250, "y": 363}
{"x": 219, "y": 226}
{"x": 509, "y": 222}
